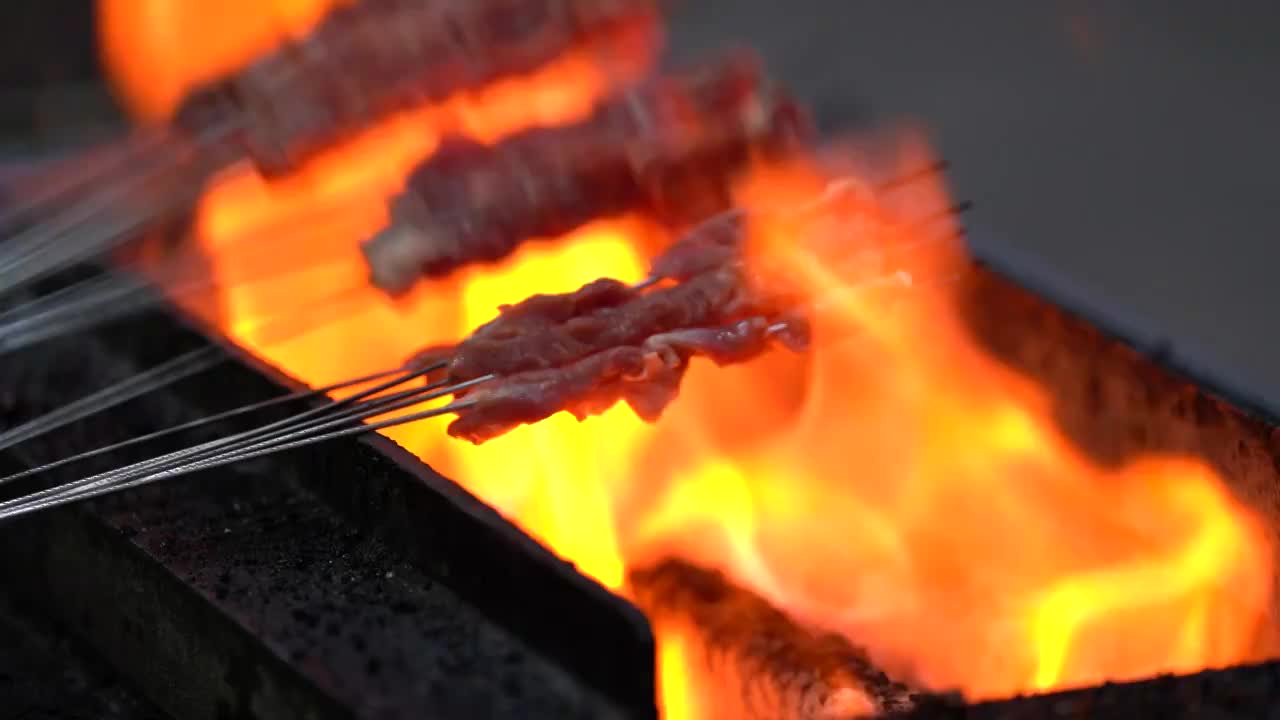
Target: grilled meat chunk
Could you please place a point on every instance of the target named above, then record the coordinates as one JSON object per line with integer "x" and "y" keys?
{"x": 374, "y": 57}
{"x": 647, "y": 377}
{"x": 667, "y": 146}
{"x": 714, "y": 243}
{"x": 522, "y": 339}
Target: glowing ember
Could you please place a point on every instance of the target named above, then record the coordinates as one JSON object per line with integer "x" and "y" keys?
{"x": 897, "y": 485}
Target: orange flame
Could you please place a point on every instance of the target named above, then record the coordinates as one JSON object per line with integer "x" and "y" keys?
{"x": 923, "y": 503}
{"x": 897, "y": 484}
{"x": 156, "y": 50}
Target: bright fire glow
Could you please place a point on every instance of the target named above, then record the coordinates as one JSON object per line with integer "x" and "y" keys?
{"x": 157, "y": 49}
{"x": 923, "y": 502}
{"x": 897, "y": 484}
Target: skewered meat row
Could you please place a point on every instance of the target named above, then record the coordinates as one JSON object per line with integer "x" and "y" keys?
{"x": 667, "y": 146}
{"x": 646, "y": 376}
{"x": 373, "y": 57}
{"x": 587, "y": 350}
{"x": 551, "y": 330}
{"x": 609, "y": 342}
{"x": 523, "y": 339}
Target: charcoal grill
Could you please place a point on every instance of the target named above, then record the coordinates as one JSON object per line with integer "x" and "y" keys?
{"x": 350, "y": 580}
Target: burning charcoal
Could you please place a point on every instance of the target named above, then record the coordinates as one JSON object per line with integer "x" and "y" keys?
{"x": 375, "y": 57}
{"x": 767, "y": 666}
{"x": 667, "y": 146}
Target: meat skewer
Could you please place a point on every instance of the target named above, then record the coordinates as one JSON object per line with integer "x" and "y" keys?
{"x": 700, "y": 281}
{"x": 363, "y": 61}
{"x": 607, "y": 342}
{"x": 342, "y": 418}
{"x": 522, "y": 338}
{"x": 647, "y": 377}
{"x": 667, "y": 146}
{"x": 644, "y": 370}
{"x": 371, "y": 58}
{"x": 586, "y": 387}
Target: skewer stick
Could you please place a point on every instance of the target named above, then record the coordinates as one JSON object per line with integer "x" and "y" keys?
{"x": 28, "y": 242}
{"x": 399, "y": 401}
{"x": 73, "y": 173}
{"x": 141, "y": 384}
{"x": 9, "y": 513}
{"x": 102, "y": 299}
{"x": 365, "y": 409}
{"x": 90, "y": 232}
{"x": 180, "y": 367}
{"x": 89, "y": 228}
{"x": 184, "y": 462}
{"x": 239, "y": 439}
{"x": 202, "y": 422}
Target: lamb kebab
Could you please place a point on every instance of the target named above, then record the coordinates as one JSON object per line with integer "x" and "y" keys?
{"x": 646, "y": 376}
{"x": 667, "y": 146}
{"x": 594, "y": 374}
{"x": 606, "y": 342}
{"x": 374, "y": 57}
{"x": 583, "y": 352}
{"x": 363, "y": 61}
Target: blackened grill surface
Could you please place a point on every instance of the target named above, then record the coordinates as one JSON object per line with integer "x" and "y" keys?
{"x": 45, "y": 674}
{"x": 242, "y": 594}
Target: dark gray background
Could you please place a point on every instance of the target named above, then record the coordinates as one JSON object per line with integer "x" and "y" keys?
{"x": 1126, "y": 147}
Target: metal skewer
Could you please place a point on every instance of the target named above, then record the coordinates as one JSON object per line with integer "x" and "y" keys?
{"x": 217, "y": 453}
{"x": 149, "y": 381}
{"x": 102, "y": 299}
{"x": 180, "y": 367}
{"x": 245, "y": 437}
{"x": 399, "y": 401}
{"x": 9, "y": 513}
{"x": 202, "y": 422}
{"x": 69, "y": 174}
{"x": 102, "y": 220}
